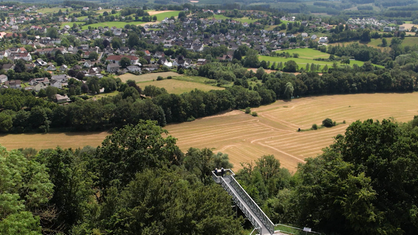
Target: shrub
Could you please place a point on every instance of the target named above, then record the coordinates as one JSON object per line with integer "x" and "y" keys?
{"x": 314, "y": 127}
{"x": 169, "y": 77}
{"x": 254, "y": 114}
{"x": 159, "y": 78}
{"x": 247, "y": 110}
{"x": 191, "y": 118}
{"x": 327, "y": 122}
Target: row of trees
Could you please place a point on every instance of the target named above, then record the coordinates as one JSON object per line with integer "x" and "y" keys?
{"x": 23, "y": 112}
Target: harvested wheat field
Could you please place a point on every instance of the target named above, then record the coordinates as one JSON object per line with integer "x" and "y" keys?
{"x": 245, "y": 138}
{"x": 52, "y": 140}
{"x": 146, "y": 77}
{"x": 151, "y": 13}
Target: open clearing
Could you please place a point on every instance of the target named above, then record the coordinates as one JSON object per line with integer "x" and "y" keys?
{"x": 301, "y": 62}
{"x": 306, "y": 53}
{"x": 152, "y": 12}
{"x": 245, "y": 138}
{"x": 146, "y": 77}
{"x": 179, "y": 87}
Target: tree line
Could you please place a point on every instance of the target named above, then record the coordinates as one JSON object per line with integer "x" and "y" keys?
{"x": 23, "y": 112}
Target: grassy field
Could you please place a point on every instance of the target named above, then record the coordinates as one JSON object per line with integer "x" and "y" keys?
{"x": 178, "y": 86}
{"x": 51, "y": 10}
{"x": 167, "y": 14}
{"x": 52, "y": 140}
{"x": 408, "y": 41}
{"x": 302, "y": 61}
{"x": 146, "y": 77}
{"x": 245, "y": 138}
{"x": 307, "y": 53}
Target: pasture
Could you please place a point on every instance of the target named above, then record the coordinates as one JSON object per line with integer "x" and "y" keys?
{"x": 175, "y": 86}
{"x": 307, "y": 53}
{"x": 145, "y": 77}
{"x": 246, "y": 138}
{"x": 166, "y": 14}
{"x": 48, "y": 10}
{"x": 303, "y": 61}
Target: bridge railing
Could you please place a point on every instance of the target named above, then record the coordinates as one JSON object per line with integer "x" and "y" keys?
{"x": 247, "y": 199}
{"x": 246, "y": 212}
{"x": 251, "y": 203}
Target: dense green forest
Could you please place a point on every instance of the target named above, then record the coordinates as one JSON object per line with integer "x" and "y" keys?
{"x": 139, "y": 182}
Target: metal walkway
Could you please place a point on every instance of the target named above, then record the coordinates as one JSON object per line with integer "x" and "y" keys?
{"x": 252, "y": 211}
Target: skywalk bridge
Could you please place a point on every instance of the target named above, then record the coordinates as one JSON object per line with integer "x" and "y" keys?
{"x": 252, "y": 211}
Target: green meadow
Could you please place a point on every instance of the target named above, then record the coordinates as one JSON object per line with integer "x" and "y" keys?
{"x": 307, "y": 56}
{"x": 307, "y": 53}
{"x": 164, "y": 15}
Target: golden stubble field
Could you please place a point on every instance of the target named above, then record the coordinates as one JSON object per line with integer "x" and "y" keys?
{"x": 245, "y": 138}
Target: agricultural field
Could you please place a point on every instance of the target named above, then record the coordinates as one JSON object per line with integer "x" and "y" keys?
{"x": 408, "y": 41}
{"x": 52, "y": 10}
{"x": 246, "y": 138}
{"x": 146, "y": 77}
{"x": 52, "y": 140}
{"x": 178, "y": 86}
{"x": 307, "y": 53}
{"x": 302, "y": 62}
{"x": 166, "y": 14}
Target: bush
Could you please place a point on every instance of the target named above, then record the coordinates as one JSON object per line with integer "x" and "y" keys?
{"x": 328, "y": 122}
{"x": 247, "y": 110}
{"x": 314, "y": 127}
{"x": 254, "y": 114}
{"x": 169, "y": 77}
{"x": 191, "y": 118}
{"x": 159, "y": 78}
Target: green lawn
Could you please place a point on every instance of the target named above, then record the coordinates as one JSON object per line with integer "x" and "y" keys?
{"x": 164, "y": 15}
{"x": 307, "y": 53}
